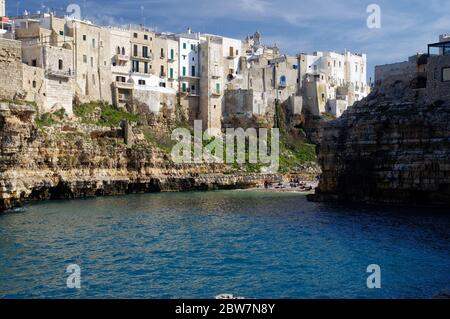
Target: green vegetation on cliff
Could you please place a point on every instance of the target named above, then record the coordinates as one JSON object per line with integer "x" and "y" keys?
{"x": 102, "y": 114}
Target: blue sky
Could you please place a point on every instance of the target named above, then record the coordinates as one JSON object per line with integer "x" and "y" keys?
{"x": 294, "y": 25}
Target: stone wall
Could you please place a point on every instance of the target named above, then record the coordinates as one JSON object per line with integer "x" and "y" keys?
{"x": 11, "y": 72}
{"x": 155, "y": 100}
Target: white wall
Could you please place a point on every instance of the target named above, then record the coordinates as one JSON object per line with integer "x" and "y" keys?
{"x": 189, "y": 57}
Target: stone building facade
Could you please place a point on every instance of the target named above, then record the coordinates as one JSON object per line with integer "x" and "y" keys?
{"x": 11, "y": 70}
{"x": 208, "y": 77}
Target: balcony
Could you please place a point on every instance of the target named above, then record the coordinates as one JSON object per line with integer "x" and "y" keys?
{"x": 231, "y": 57}
{"x": 216, "y": 93}
{"x": 147, "y": 58}
{"x": 190, "y": 77}
{"x": 171, "y": 59}
{"x": 124, "y": 85}
{"x": 62, "y": 74}
{"x": 121, "y": 58}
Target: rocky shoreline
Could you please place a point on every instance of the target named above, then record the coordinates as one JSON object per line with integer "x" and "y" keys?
{"x": 72, "y": 160}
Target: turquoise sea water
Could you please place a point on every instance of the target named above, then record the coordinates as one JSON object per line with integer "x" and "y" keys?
{"x": 197, "y": 245}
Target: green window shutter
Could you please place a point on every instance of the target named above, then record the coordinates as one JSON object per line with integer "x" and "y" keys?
{"x": 171, "y": 73}
{"x": 183, "y": 87}
{"x": 184, "y": 71}
{"x": 218, "y": 88}
{"x": 184, "y": 45}
{"x": 172, "y": 53}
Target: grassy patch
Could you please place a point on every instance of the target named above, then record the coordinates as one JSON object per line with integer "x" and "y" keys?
{"x": 161, "y": 140}
{"x": 45, "y": 120}
{"x": 102, "y": 114}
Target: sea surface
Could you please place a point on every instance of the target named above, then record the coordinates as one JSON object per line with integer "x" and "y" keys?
{"x": 198, "y": 245}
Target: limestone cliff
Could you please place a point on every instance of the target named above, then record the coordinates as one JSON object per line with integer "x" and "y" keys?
{"x": 71, "y": 159}
{"x": 393, "y": 147}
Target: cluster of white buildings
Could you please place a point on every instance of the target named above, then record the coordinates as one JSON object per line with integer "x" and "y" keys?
{"x": 209, "y": 77}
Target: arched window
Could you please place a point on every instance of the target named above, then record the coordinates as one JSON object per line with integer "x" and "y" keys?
{"x": 118, "y": 50}
{"x": 123, "y": 51}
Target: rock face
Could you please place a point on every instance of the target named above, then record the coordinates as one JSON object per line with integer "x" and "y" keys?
{"x": 73, "y": 160}
{"x": 393, "y": 147}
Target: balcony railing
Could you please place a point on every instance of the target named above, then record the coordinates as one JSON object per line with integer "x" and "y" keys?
{"x": 147, "y": 58}
{"x": 60, "y": 74}
{"x": 121, "y": 58}
{"x": 124, "y": 85}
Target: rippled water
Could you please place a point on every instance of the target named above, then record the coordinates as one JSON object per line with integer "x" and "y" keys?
{"x": 197, "y": 245}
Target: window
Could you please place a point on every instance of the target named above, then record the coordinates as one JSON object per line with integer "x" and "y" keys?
{"x": 92, "y": 62}
{"x": 218, "y": 88}
{"x": 84, "y": 37}
{"x": 61, "y": 33}
{"x": 162, "y": 53}
{"x": 172, "y": 54}
{"x": 356, "y": 68}
{"x": 184, "y": 46}
{"x": 135, "y": 35}
{"x": 84, "y": 58}
{"x": 135, "y": 50}
{"x": 118, "y": 50}
{"x": 193, "y": 71}
{"x": 162, "y": 71}
{"x": 34, "y": 63}
{"x": 192, "y": 47}
{"x": 237, "y": 52}
{"x": 283, "y": 80}
{"x": 93, "y": 79}
{"x": 231, "y": 51}
{"x": 60, "y": 64}
{"x": 146, "y": 67}
{"x": 145, "y": 37}
{"x": 135, "y": 66}
{"x": 141, "y": 82}
{"x": 183, "y": 87}
{"x": 193, "y": 88}
{"x": 445, "y": 74}
{"x": 34, "y": 84}
{"x": 184, "y": 71}
{"x": 171, "y": 73}
{"x": 145, "y": 52}
{"x": 123, "y": 51}
{"x": 93, "y": 43}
